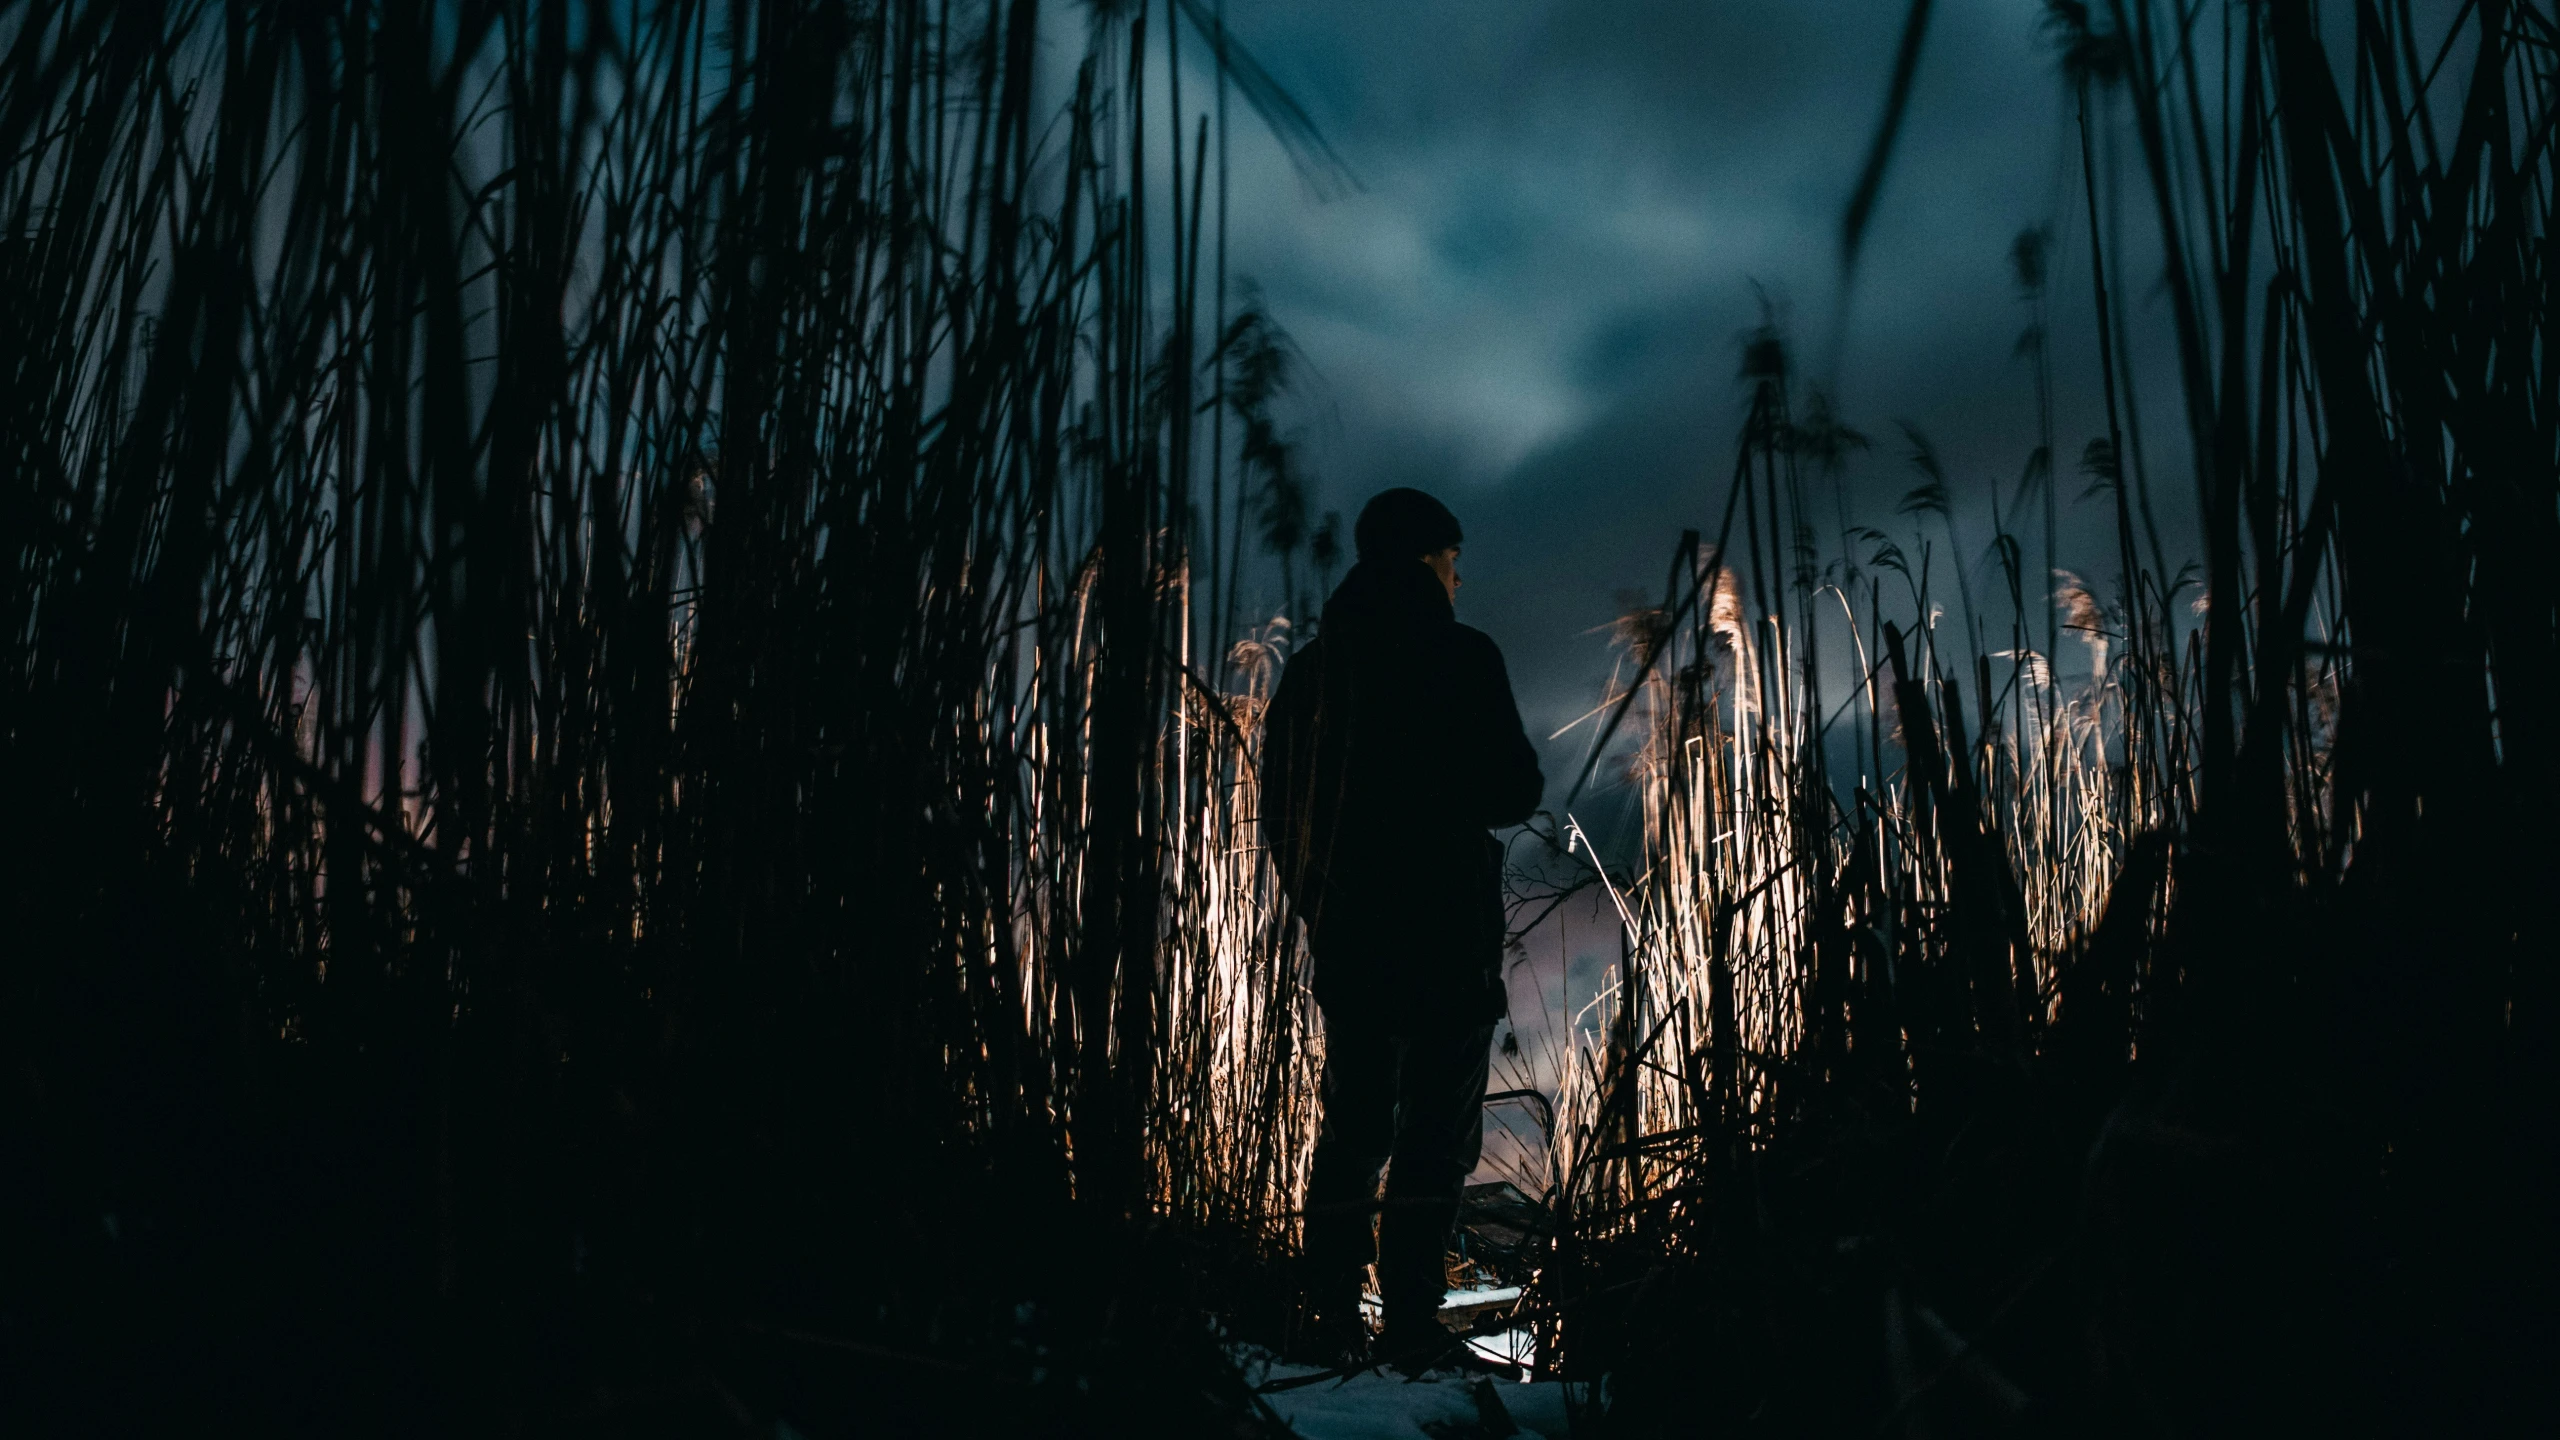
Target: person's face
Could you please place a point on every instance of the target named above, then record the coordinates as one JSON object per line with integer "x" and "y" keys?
{"x": 1444, "y": 563}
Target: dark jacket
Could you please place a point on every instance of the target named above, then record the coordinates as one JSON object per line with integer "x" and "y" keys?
{"x": 1392, "y": 746}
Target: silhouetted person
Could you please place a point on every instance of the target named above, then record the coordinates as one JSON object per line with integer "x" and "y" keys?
{"x": 1391, "y": 748}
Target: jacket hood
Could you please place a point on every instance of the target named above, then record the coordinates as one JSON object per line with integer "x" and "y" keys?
{"x": 1388, "y": 595}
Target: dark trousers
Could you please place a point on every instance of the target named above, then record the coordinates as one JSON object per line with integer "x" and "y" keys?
{"x": 1410, "y": 1101}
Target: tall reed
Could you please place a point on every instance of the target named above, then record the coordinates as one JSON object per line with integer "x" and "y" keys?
{"x": 601, "y": 631}
{"x": 2050, "y": 1044}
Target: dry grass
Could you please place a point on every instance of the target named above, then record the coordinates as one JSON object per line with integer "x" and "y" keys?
{"x": 601, "y": 622}
{"x": 622, "y": 630}
{"x": 2038, "y": 1054}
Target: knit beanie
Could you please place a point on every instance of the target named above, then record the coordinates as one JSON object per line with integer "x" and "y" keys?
{"x": 1404, "y": 523}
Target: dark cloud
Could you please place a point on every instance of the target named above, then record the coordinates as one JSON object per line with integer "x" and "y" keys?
{"x": 1573, "y": 213}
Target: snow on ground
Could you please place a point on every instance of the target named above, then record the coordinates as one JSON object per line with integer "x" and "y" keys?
{"x": 1383, "y": 1405}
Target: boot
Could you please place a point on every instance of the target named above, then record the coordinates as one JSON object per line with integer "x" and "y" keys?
{"x": 1334, "y": 1332}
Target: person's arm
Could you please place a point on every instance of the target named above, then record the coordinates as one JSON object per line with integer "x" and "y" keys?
{"x": 1507, "y": 785}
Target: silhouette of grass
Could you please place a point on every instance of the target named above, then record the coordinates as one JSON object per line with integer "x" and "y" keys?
{"x": 634, "y": 753}
{"x": 2171, "y": 1051}
{"x": 603, "y": 674}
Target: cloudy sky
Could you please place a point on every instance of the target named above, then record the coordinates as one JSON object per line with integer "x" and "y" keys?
{"x": 1570, "y": 214}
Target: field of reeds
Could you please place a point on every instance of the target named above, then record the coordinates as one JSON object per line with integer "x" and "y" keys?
{"x": 624, "y": 773}
{"x": 631, "y": 691}
{"x": 2126, "y": 1004}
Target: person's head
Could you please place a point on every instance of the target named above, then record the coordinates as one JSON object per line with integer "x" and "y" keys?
{"x": 1405, "y": 523}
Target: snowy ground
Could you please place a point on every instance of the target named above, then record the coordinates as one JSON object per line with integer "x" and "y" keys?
{"x": 1383, "y": 1405}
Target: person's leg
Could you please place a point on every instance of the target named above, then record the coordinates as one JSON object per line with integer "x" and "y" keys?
{"x": 1357, "y": 1135}
{"x": 1439, "y": 1136}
